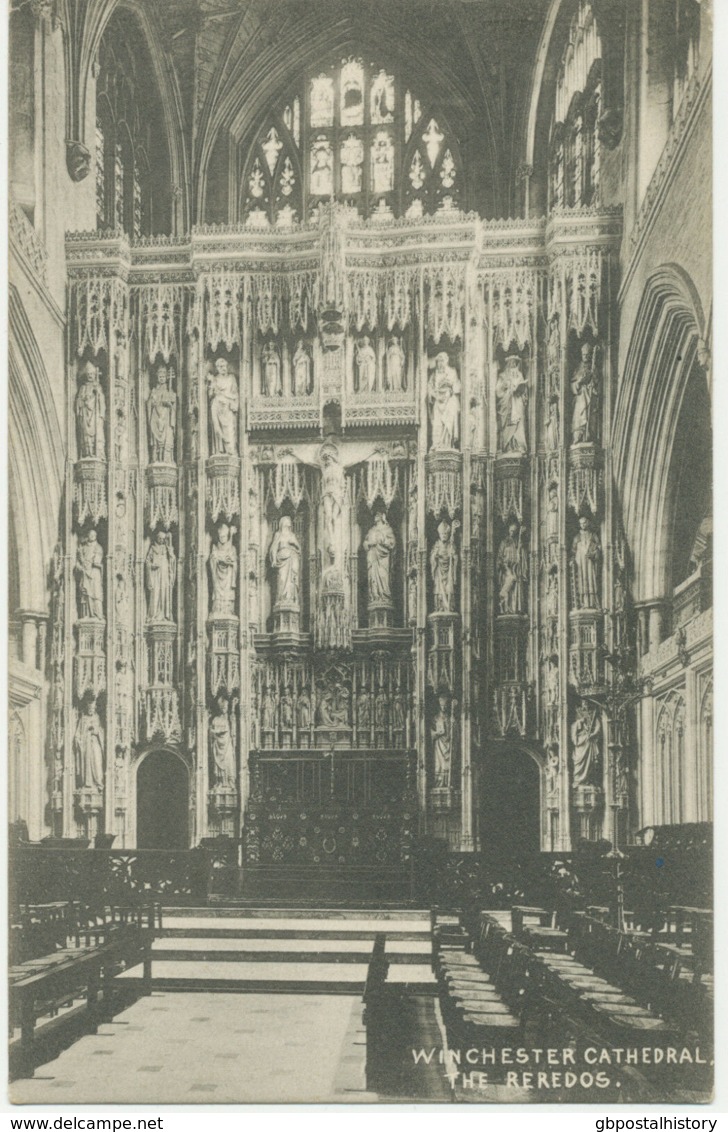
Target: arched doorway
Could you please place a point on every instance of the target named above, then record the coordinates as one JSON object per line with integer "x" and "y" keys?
{"x": 510, "y": 814}
{"x": 162, "y": 790}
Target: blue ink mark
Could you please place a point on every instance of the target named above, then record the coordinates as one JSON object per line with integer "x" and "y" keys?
{"x": 659, "y": 862}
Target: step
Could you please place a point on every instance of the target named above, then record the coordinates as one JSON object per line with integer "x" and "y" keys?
{"x": 275, "y": 977}
{"x": 243, "y": 927}
{"x": 267, "y": 912}
{"x": 206, "y": 949}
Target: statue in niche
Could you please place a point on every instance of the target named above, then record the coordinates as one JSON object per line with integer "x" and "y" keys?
{"x": 366, "y": 366}
{"x": 268, "y": 711}
{"x": 223, "y": 564}
{"x": 441, "y": 735}
{"x": 88, "y": 749}
{"x": 303, "y": 710}
{"x": 160, "y": 572}
{"x": 301, "y": 371}
{"x": 512, "y": 565}
{"x": 477, "y": 514}
{"x": 552, "y": 768}
{"x": 395, "y": 365}
{"x": 224, "y": 406}
{"x": 285, "y": 558}
{"x": 161, "y": 418}
{"x": 90, "y": 409}
{"x": 271, "y": 367}
{"x": 552, "y": 425}
{"x": 586, "y": 553}
{"x": 585, "y": 392}
{"x": 363, "y": 711}
{"x": 511, "y": 400}
{"x": 552, "y": 696}
{"x": 412, "y": 593}
{"x": 381, "y": 710}
{"x": 222, "y": 745}
{"x": 552, "y": 514}
{"x": 379, "y": 545}
{"x": 443, "y": 393}
{"x": 253, "y": 512}
{"x": 444, "y": 566}
{"x": 412, "y": 513}
{"x": 552, "y": 594}
{"x": 585, "y": 733}
{"x": 553, "y": 350}
{"x": 398, "y": 712}
{"x": 89, "y": 572}
{"x": 287, "y": 709}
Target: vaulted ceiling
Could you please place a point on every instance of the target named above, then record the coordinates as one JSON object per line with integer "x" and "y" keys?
{"x": 232, "y": 59}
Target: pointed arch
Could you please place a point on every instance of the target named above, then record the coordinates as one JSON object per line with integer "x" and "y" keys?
{"x": 36, "y": 456}
{"x": 84, "y": 26}
{"x": 668, "y": 330}
{"x": 239, "y": 97}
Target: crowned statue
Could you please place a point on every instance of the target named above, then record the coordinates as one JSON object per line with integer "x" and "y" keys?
{"x": 161, "y": 418}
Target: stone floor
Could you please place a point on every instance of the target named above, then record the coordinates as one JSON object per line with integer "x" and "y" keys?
{"x": 199, "y": 1047}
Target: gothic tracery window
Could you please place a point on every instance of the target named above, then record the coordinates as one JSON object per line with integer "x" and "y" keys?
{"x": 127, "y": 131}
{"x": 686, "y": 47}
{"x": 670, "y": 736}
{"x": 353, "y": 133}
{"x": 574, "y": 146}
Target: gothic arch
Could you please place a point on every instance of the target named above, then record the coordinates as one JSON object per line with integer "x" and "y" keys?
{"x": 83, "y": 28}
{"x": 237, "y": 104}
{"x": 543, "y": 97}
{"x": 667, "y": 334}
{"x": 610, "y": 16}
{"x": 138, "y": 758}
{"x": 36, "y": 456}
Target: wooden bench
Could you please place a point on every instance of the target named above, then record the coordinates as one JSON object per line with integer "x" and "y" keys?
{"x": 97, "y": 950}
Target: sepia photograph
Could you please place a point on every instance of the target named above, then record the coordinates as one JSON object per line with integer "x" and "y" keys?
{"x": 360, "y": 552}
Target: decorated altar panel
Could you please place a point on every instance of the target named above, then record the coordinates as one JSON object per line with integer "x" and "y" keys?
{"x": 338, "y": 494}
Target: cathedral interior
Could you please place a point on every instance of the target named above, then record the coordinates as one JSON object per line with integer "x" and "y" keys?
{"x": 360, "y": 518}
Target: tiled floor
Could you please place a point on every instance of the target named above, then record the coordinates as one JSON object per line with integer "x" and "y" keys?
{"x": 184, "y": 1048}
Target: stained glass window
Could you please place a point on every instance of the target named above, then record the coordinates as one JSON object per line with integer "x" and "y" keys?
{"x": 433, "y": 138}
{"x": 575, "y": 154}
{"x": 322, "y": 101}
{"x": 382, "y": 163}
{"x": 352, "y": 93}
{"x": 256, "y": 181}
{"x": 355, "y": 133}
{"x": 382, "y": 98}
{"x": 322, "y": 167}
{"x": 352, "y": 160}
{"x": 272, "y": 146}
{"x": 126, "y": 132}
{"x": 287, "y": 178}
